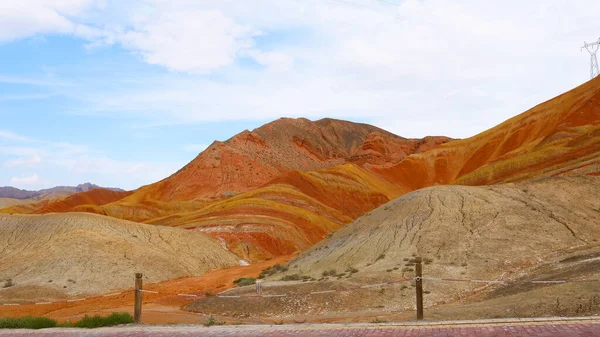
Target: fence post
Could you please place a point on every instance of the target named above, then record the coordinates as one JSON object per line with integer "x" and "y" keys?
{"x": 258, "y": 287}
{"x": 419, "y": 287}
{"x": 137, "y": 310}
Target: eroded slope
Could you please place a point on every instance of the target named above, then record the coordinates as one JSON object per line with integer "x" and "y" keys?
{"x": 80, "y": 253}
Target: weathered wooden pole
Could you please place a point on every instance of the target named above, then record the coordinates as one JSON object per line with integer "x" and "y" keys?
{"x": 137, "y": 310}
{"x": 419, "y": 287}
{"x": 258, "y": 287}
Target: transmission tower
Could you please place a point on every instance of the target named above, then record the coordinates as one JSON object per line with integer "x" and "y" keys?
{"x": 592, "y": 48}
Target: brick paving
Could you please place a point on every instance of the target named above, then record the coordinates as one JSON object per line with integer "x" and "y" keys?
{"x": 540, "y": 328}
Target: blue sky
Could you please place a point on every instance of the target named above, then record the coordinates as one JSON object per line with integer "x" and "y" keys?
{"x": 125, "y": 93}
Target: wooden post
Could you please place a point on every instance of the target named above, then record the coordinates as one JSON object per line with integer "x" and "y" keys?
{"x": 258, "y": 287}
{"x": 137, "y": 310}
{"x": 419, "y": 287}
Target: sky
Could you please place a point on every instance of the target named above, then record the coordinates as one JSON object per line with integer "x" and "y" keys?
{"x": 124, "y": 93}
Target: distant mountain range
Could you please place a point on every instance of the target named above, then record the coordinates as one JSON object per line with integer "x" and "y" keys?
{"x": 15, "y": 193}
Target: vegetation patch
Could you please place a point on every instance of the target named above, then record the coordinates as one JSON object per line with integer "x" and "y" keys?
{"x": 244, "y": 281}
{"x": 8, "y": 283}
{"x": 30, "y": 322}
{"x": 273, "y": 270}
{"x": 116, "y": 318}
{"x": 330, "y": 272}
{"x": 212, "y": 321}
{"x": 293, "y": 277}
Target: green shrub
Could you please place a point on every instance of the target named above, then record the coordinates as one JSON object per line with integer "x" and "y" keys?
{"x": 116, "y": 318}
{"x": 30, "y": 322}
{"x": 27, "y": 322}
{"x": 245, "y": 281}
{"x": 212, "y": 321}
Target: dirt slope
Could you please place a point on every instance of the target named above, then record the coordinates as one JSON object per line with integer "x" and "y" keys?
{"x": 493, "y": 229}
{"x": 79, "y": 253}
{"x": 495, "y": 232}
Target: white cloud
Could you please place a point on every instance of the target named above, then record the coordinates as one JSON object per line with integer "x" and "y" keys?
{"x": 25, "y": 18}
{"x": 26, "y": 162}
{"x": 194, "y": 41}
{"x": 430, "y": 63}
{"x": 25, "y": 181}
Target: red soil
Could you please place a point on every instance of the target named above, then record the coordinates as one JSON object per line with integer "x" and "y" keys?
{"x": 81, "y": 202}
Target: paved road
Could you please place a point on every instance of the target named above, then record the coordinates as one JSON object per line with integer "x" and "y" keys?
{"x": 541, "y": 328}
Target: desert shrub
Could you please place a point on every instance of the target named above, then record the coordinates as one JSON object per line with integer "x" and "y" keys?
{"x": 381, "y": 257}
{"x": 293, "y": 277}
{"x": 8, "y": 283}
{"x": 116, "y": 318}
{"x": 272, "y": 270}
{"x": 407, "y": 269}
{"x": 351, "y": 270}
{"x": 330, "y": 272}
{"x": 212, "y": 321}
{"x": 427, "y": 261}
{"x": 27, "y": 322}
{"x": 245, "y": 281}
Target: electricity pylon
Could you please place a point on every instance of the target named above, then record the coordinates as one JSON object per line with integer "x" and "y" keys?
{"x": 592, "y": 48}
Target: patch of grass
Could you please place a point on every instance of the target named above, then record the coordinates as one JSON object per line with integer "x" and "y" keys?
{"x": 427, "y": 261}
{"x": 382, "y": 291}
{"x": 212, "y": 321}
{"x": 378, "y": 321}
{"x": 426, "y": 292}
{"x": 116, "y": 318}
{"x": 245, "y": 281}
{"x": 407, "y": 269}
{"x": 208, "y": 294}
{"x": 380, "y": 257}
{"x": 28, "y": 322}
{"x": 351, "y": 270}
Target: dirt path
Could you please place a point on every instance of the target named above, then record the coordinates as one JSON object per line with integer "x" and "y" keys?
{"x": 548, "y": 328}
